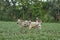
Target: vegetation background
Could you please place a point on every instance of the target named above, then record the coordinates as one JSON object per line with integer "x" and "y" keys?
{"x": 47, "y": 10}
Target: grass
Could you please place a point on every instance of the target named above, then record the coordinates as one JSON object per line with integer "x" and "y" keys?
{"x": 11, "y": 31}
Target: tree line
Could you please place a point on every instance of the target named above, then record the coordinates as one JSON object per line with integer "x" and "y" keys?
{"x": 47, "y": 11}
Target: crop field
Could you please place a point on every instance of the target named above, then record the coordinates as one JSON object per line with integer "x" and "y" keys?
{"x": 12, "y": 31}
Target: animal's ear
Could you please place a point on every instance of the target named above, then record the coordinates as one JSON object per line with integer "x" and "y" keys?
{"x": 38, "y": 20}
{"x": 30, "y": 21}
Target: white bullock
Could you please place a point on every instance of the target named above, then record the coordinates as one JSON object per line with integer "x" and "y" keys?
{"x": 23, "y": 23}
{"x": 36, "y": 24}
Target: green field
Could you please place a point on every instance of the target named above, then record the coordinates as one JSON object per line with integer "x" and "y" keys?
{"x": 11, "y": 31}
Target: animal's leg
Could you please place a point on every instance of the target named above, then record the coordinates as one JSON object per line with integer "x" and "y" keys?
{"x": 39, "y": 26}
{"x": 30, "y": 27}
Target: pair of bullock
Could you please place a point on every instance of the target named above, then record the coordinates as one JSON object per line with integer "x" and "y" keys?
{"x": 30, "y": 24}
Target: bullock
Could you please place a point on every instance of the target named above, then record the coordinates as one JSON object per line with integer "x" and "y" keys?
{"x": 23, "y": 23}
{"x": 36, "y": 24}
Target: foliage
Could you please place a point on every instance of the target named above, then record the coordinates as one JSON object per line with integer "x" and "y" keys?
{"x": 11, "y": 10}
